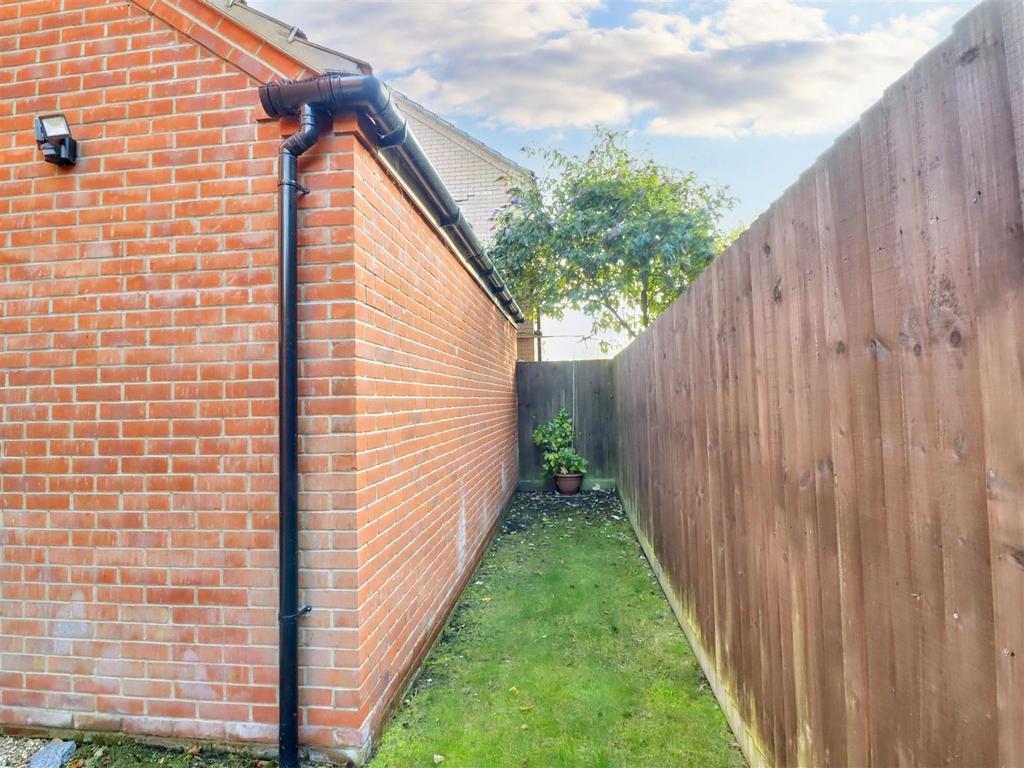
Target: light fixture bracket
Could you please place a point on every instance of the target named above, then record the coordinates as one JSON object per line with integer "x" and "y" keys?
{"x": 53, "y": 137}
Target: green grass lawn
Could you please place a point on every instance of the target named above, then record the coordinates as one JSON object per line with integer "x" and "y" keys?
{"x": 562, "y": 652}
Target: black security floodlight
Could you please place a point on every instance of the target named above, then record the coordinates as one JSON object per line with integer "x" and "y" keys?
{"x": 53, "y": 135}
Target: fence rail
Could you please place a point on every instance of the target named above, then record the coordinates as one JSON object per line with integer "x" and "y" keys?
{"x": 821, "y": 444}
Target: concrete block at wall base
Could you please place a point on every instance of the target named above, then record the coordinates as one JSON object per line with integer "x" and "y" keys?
{"x": 53, "y": 755}
{"x": 351, "y": 757}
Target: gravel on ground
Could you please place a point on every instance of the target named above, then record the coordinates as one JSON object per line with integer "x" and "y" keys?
{"x": 17, "y": 753}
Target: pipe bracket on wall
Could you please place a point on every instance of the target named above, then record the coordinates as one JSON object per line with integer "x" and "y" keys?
{"x": 304, "y": 190}
{"x": 297, "y": 615}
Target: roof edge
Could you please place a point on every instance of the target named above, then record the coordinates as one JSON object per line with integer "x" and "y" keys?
{"x": 289, "y": 39}
{"x": 223, "y": 36}
{"x": 448, "y": 125}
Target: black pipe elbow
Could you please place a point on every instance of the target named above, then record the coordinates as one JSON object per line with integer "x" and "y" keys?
{"x": 336, "y": 93}
{"x": 306, "y": 136}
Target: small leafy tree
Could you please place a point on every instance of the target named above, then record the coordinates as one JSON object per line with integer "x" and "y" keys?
{"x": 609, "y": 233}
{"x": 555, "y": 439}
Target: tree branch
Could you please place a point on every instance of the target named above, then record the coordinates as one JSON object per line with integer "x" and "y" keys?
{"x": 622, "y": 323}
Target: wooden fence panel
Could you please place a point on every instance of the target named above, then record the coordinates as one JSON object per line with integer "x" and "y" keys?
{"x": 585, "y": 388}
{"x": 821, "y": 444}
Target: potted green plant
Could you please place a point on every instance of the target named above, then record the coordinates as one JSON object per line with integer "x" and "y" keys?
{"x": 559, "y": 456}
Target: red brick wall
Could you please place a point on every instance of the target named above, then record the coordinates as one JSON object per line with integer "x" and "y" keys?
{"x": 138, "y": 393}
{"x": 137, "y": 381}
{"x": 527, "y": 342}
{"x": 436, "y": 429}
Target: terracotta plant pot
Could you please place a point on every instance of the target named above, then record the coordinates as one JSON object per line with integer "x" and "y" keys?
{"x": 568, "y": 484}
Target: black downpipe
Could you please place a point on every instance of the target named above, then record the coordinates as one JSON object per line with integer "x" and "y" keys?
{"x": 288, "y": 473}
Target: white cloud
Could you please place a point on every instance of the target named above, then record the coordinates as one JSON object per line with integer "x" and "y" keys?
{"x": 740, "y": 67}
{"x": 766, "y": 21}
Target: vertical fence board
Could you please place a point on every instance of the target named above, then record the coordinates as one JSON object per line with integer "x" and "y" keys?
{"x": 794, "y": 437}
{"x": 771, "y": 717}
{"x": 769, "y": 298}
{"x": 751, "y": 616}
{"x": 892, "y": 603}
{"x": 848, "y": 373}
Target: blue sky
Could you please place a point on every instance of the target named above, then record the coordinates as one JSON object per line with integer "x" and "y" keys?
{"x": 747, "y": 93}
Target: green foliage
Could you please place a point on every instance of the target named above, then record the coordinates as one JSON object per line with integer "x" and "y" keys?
{"x": 563, "y": 652}
{"x": 555, "y": 434}
{"x": 555, "y": 440}
{"x": 609, "y": 233}
{"x": 564, "y": 461}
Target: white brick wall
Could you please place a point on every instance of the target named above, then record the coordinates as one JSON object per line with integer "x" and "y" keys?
{"x": 477, "y": 177}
